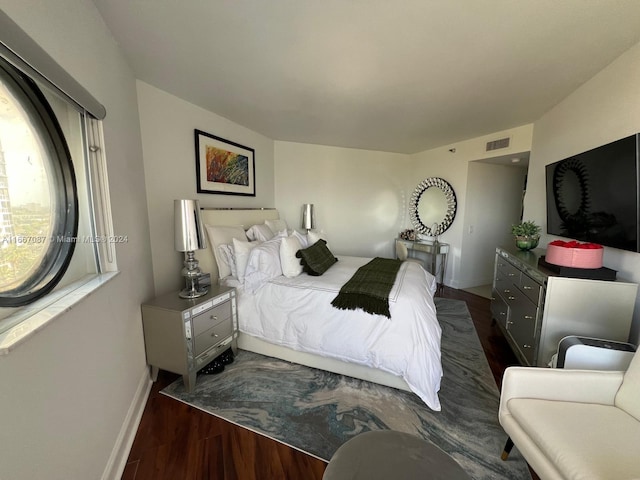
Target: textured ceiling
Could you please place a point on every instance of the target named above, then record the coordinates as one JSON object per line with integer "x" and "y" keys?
{"x": 398, "y": 76}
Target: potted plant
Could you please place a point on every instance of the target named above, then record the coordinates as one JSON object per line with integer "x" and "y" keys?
{"x": 527, "y": 235}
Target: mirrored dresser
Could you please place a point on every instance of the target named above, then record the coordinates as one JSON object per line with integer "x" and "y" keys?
{"x": 536, "y": 308}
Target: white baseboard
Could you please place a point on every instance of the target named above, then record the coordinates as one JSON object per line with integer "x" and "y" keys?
{"x": 120, "y": 453}
{"x": 453, "y": 284}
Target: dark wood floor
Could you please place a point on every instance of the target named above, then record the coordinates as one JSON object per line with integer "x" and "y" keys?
{"x": 177, "y": 442}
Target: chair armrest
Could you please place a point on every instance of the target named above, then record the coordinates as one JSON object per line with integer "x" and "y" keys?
{"x": 584, "y": 386}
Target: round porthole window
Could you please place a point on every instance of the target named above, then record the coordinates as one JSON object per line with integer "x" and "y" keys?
{"x": 38, "y": 196}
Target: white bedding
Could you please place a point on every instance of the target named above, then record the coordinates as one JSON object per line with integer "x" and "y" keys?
{"x": 297, "y": 313}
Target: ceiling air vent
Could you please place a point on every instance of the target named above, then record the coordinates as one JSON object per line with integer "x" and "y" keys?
{"x": 497, "y": 144}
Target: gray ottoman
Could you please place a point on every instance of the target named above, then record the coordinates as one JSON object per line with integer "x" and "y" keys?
{"x": 393, "y": 455}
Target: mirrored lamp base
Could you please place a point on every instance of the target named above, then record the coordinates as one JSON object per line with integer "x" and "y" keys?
{"x": 193, "y": 293}
{"x": 191, "y": 273}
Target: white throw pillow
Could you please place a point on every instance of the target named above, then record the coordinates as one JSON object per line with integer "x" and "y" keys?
{"x": 223, "y": 236}
{"x": 263, "y": 265}
{"x": 276, "y": 225}
{"x": 262, "y": 233}
{"x": 241, "y": 251}
{"x": 291, "y": 266}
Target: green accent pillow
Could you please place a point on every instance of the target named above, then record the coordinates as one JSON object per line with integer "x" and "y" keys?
{"x": 316, "y": 259}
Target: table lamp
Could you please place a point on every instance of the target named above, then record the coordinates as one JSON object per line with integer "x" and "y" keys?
{"x": 189, "y": 236}
{"x": 308, "y": 217}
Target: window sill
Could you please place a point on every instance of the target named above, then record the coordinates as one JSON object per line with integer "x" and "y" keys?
{"x": 38, "y": 315}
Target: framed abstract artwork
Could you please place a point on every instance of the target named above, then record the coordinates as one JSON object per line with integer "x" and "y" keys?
{"x": 224, "y": 167}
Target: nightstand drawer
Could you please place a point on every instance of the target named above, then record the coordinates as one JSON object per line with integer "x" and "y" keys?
{"x": 213, "y": 316}
{"x": 212, "y": 336}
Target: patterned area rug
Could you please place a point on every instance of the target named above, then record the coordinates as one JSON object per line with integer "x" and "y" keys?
{"x": 316, "y": 411}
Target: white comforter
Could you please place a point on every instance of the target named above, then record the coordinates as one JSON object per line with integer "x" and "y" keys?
{"x": 297, "y": 313}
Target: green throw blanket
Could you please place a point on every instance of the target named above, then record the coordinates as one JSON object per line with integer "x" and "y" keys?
{"x": 369, "y": 287}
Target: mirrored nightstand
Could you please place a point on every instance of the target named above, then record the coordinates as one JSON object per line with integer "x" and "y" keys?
{"x": 432, "y": 254}
{"x": 184, "y": 335}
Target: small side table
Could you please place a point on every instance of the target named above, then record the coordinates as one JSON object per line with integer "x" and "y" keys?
{"x": 184, "y": 335}
{"x": 384, "y": 454}
{"x": 434, "y": 250}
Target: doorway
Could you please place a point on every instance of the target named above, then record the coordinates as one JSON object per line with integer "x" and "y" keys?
{"x": 494, "y": 202}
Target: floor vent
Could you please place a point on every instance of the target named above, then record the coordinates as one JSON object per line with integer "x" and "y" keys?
{"x": 497, "y": 144}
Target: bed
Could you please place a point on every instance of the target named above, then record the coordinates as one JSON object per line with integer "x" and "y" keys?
{"x": 291, "y": 316}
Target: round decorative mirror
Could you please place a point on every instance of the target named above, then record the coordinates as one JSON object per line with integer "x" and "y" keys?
{"x": 433, "y": 206}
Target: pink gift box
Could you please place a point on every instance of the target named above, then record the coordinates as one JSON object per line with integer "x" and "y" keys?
{"x": 574, "y": 257}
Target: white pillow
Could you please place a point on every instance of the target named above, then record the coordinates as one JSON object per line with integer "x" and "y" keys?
{"x": 291, "y": 266}
{"x": 223, "y": 236}
{"x": 261, "y": 233}
{"x": 302, "y": 238}
{"x": 241, "y": 251}
{"x": 276, "y": 225}
{"x": 313, "y": 237}
{"x": 228, "y": 256}
{"x": 263, "y": 265}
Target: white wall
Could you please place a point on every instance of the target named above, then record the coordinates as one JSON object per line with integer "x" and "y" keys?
{"x": 453, "y": 167}
{"x": 360, "y": 196}
{"x": 167, "y": 124}
{"x": 66, "y": 392}
{"x": 602, "y": 110}
{"x": 493, "y": 204}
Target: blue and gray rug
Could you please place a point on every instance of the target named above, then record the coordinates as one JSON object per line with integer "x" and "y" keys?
{"x": 316, "y": 411}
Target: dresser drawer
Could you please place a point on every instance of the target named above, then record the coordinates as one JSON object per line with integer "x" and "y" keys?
{"x": 531, "y": 288}
{"x": 214, "y": 335}
{"x": 507, "y": 290}
{"x": 502, "y": 284}
{"x": 507, "y": 270}
{"x": 522, "y": 328}
{"x": 499, "y": 309}
{"x": 211, "y": 317}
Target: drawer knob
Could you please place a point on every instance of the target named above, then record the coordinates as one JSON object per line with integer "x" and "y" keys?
{"x": 509, "y": 323}
{"x": 526, "y": 346}
{"x": 511, "y": 297}
{"x": 528, "y": 317}
{"x": 506, "y": 290}
{"x": 214, "y": 317}
{"x": 511, "y": 274}
{"x": 214, "y": 335}
{"x": 527, "y": 287}
{"x": 503, "y": 313}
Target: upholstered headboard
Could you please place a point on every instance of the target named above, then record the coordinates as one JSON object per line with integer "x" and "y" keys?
{"x": 229, "y": 217}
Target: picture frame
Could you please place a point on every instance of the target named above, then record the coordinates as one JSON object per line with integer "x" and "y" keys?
{"x": 224, "y": 167}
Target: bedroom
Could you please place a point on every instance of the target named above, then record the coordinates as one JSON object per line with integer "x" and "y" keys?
{"x": 600, "y": 110}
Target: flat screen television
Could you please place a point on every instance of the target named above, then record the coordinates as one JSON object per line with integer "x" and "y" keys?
{"x": 593, "y": 196}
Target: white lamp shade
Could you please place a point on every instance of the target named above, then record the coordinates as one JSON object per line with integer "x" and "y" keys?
{"x": 189, "y": 235}
{"x": 308, "y": 216}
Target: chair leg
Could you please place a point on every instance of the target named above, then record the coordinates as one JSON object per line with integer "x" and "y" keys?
{"x": 507, "y": 449}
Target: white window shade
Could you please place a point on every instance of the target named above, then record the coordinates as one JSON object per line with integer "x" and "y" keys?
{"x": 25, "y": 54}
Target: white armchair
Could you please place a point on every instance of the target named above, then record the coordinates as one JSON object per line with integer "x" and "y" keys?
{"x": 574, "y": 424}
